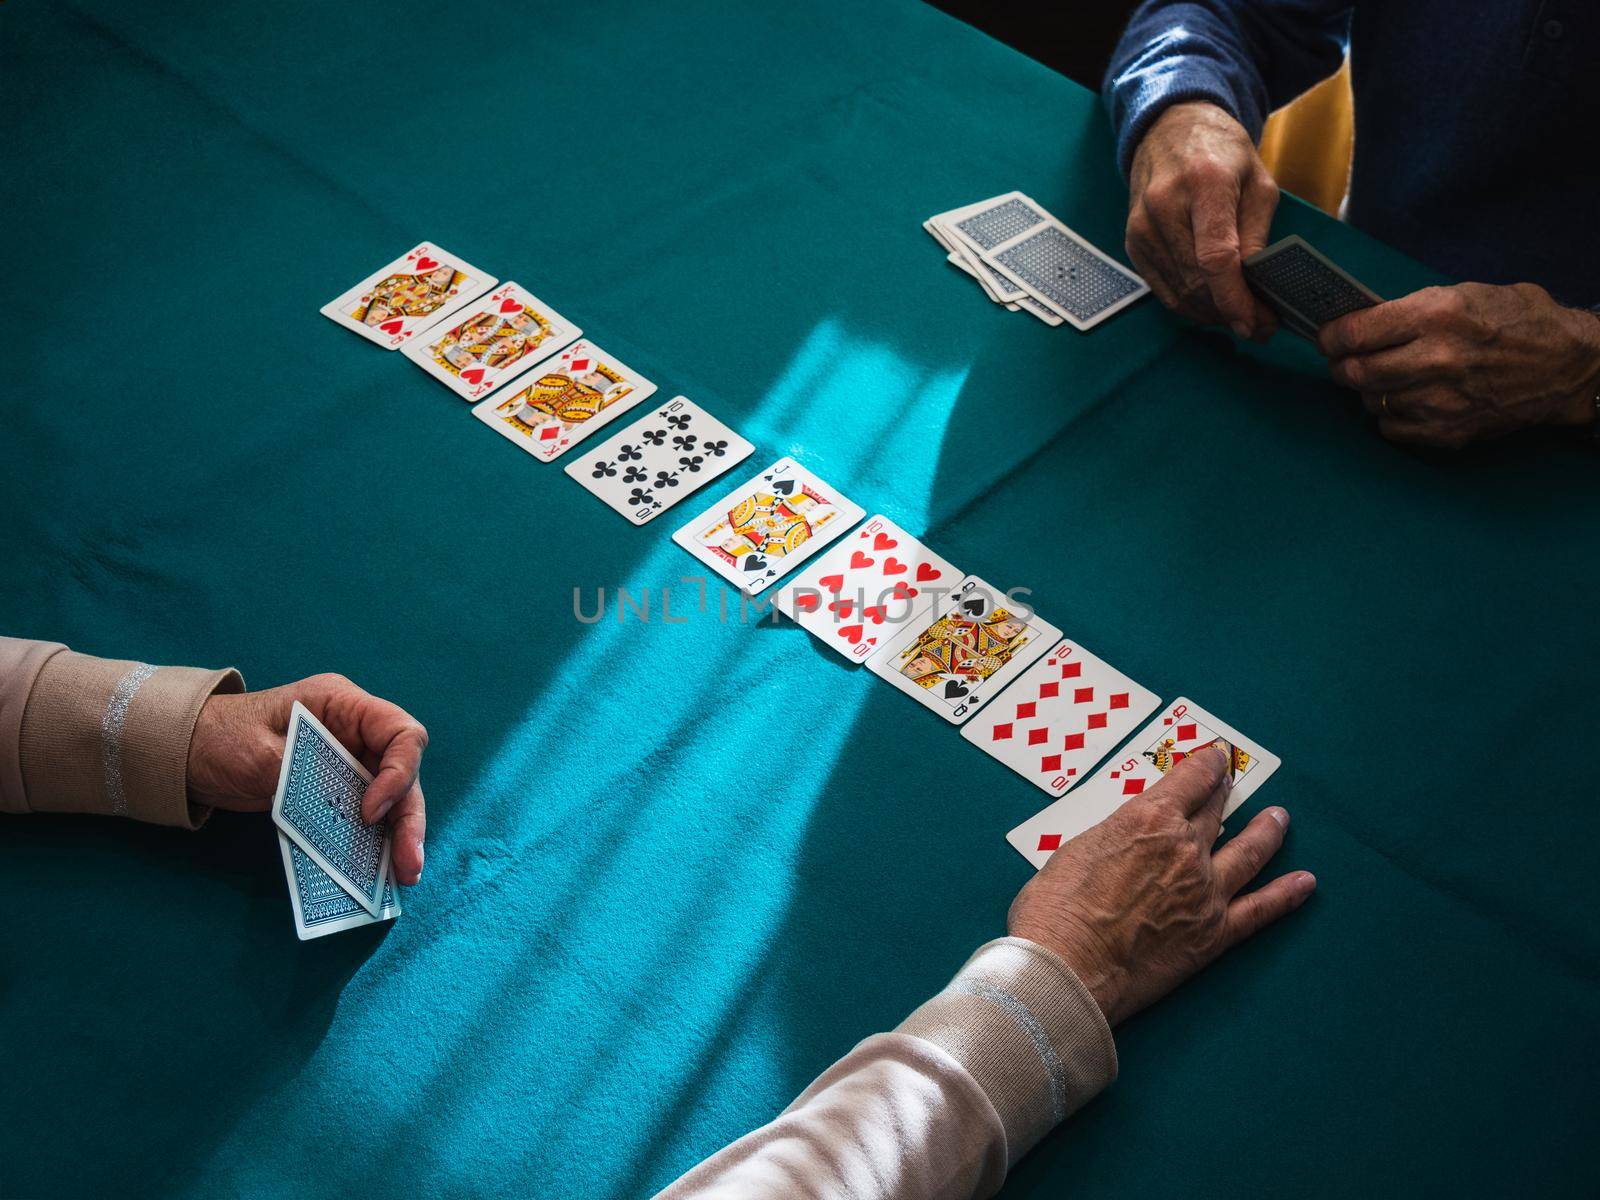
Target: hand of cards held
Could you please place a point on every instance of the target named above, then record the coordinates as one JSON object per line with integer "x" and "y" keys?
{"x": 1303, "y": 287}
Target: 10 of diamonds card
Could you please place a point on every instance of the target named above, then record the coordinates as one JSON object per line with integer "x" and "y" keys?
{"x": 499, "y": 338}
{"x": 1179, "y": 731}
{"x": 573, "y": 394}
{"x": 653, "y": 464}
{"x": 768, "y": 526}
{"x": 414, "y": 292}
{"x": 1061, "y": 717}
{"x": 870, "y": 584}
{"x": 964, "y": 650}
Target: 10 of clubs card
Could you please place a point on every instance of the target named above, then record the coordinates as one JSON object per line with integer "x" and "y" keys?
{"x": 500, "y": 337}
{"x": 1166, "y": 741}
{"x": 866, "y": 587}
{"x": 767, "y": 527}
{"x": 966, "y": 648}
{"x": 653, "y": 464}
{"x": 415, "y": 291}
{"x": 573, "y": 394}
{"x": 1061, "y": 717}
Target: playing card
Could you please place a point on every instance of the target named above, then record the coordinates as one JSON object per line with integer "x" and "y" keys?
{"x": 318, "y": 804}
{"x": 768, "y": 526}
{"x": 656, "y": 462}
{"x": 865, "y": 588}
{"x": 1061, "y": 717}
{"x": 572, "y": 394}
{"x": 497, "y": 339}
{"x": 1183, "y": 728}
{"x": 983, "y": 226}
{"x": 321, "y": 906}
{"x": 1303, "y": 287}
{"x": 411, "y": 294}
{"x": 964, "y": 650}
{"x": 1066, "y": 274}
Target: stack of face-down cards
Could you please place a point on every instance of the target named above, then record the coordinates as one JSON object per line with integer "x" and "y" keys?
{"x": 337, "y": 865}
{"x": 1022, "y": 257}
{"x": 1303, "y": 287}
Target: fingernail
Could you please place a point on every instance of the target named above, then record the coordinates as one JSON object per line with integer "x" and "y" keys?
{"x": 1279, "y": 815}
{"x": 1225, "y": 750}
{"x": 1240, "y": 329}
{"x": 382, "y": 812}
{"x": 421, "y": 855}
{"x": 1305, "y": 883}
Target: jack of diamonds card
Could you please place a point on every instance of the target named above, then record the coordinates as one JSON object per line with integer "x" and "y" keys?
{"x": 411, "y": 294}
{"x": 1061, "y": 717}
{"x": 866, "y": 587}
{"x": 500, "y": 337}
{"x": 767, "y": 527}
{"x": 964, "y": 650}
{"x": 578, "y": 391}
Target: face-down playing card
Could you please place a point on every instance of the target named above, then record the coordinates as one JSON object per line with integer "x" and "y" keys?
{"x": 656, "y": 462}
{"x": 497, "y": 339}
{"x": 320, "y": 905}
{"x": 975, "y": 228}
{"x": 318, "y": 804}
{"x": 411, "y": 294}
{"x": 1181, "y": 729}
{"x": 572, "y": 394}
{"x": 1061, "y": 717}
{"x": 768, "y": 526}
{"x": 866, "y": 587}
{"x": 1304, "y": 287}
{"x": 964, "y": 650}
{"x": 1073, "y": 278}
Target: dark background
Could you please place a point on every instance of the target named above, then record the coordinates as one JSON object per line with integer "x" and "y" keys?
{"x": 1073, "y": 38}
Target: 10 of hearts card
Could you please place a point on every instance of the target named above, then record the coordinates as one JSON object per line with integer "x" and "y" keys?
{"x": 864, "y": 589}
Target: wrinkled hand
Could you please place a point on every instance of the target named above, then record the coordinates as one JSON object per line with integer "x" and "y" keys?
{"x": 238, "y": 744}
{"x": 1200, "y": 202}
{"x": 1450, "y": 365}
{"x": 1139, "y": 903}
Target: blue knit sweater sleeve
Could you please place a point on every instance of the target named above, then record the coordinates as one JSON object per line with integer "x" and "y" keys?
{"x": 1247, "y": 56}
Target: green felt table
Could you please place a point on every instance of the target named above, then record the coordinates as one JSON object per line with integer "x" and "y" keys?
{"x": 675, "y": 869}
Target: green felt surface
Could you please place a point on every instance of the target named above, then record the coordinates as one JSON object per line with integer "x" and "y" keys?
{"x": 674, "y": 870}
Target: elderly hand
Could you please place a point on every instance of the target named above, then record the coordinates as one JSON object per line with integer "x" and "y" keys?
{"x": 1139, "y": 903}
{"x": 1200, "y": 202}
{"x": 238, "y": 744}
{"x": 1450, "y": 365}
